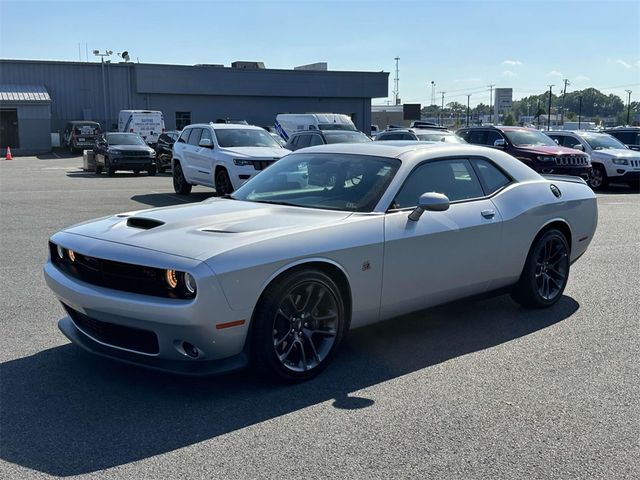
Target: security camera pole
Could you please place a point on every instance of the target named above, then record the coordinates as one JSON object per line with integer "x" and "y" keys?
{"x": 106, "y": 53}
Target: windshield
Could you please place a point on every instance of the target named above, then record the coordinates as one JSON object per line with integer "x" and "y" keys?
{"x": 245, "y": 137}
{"x": 124, "y": 139}
{"x": 336, "y": 126}
{"x": 526, "y": 138}
{"x": 439, "y": 137}
{"x": 602, "y": 141}
{"x": 346, "y": 137}
{"x": 353, "y": 183}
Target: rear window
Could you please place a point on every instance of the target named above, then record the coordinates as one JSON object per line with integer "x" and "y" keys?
{"x": 346, "y": 137}
{"x": 86, "y": 128}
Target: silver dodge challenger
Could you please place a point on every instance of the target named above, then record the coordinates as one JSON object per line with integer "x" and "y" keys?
{"x": 327, "y": 239}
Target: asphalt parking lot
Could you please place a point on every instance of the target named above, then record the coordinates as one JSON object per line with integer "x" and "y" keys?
{"x": 475, "y": 389}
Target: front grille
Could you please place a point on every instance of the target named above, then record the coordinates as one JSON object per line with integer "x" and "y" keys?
{"x": 134, "y": 153}
{"x": 136, "y": 339}
{"x": 262, "y": 164}
{"x": 634, "y": 163}
{"x": 571, "y": 161}
{"x": 116, "y": 275}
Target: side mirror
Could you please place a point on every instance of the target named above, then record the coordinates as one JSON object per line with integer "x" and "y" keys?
{"x": 431, "y": 202}
{"x": 578, "y": 146}
{"x": 206, "y": 143}
{"x": 557, "y": 141}
{"x": 500, "y": 143}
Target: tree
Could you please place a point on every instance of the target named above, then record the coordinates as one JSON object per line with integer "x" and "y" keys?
{"x": 508, "y": 119}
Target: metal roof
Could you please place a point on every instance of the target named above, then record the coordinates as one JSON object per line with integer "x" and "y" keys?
{"x": 24, "y": 93}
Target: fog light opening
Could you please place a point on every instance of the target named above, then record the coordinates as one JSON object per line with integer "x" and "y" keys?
{"x": 190, "y": 350}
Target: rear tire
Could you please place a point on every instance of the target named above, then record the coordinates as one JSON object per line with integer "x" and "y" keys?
{"x": 598, "y": 178}
{"x": 223, "y": 183}
{"x": 298, "y": 325}
{"x": 545, "y": 273}
{"x": 180, "y": 184}
{"x": 111, "y": 171}
{"x": 98, "y": 170}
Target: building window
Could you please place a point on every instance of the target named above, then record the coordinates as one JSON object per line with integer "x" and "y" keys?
{"x": 182, "y": 120}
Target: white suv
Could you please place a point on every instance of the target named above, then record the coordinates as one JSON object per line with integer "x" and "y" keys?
{"x": 611, "y": 159}
{"x": 221, "y": 155}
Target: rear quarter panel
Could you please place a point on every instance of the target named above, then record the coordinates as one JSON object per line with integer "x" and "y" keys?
{"x": 527, "y": 207}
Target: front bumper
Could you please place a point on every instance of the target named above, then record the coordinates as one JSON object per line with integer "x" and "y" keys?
{"x": 132, "y": 163}
{"x": 581, "y": 171}
{"x": 171, "y": 321}
{"x": 179, "y": 367}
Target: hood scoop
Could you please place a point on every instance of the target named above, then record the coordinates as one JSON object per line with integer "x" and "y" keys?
{"x": 213, "y": 230}
{"x": 143, "y": 223}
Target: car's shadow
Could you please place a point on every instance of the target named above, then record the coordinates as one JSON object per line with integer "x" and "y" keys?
{"x": 64, "y": 412}
{"x": 618, "y": 189}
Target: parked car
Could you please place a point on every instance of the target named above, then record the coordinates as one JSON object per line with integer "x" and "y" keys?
{"x": 374, "y": 131}
{"x": 124, "y": 151}
{"x": 532, "y": 147}
{"x": 277, "y": 273}
{"x": 310, "y": 138}
{"x": 221, "y": 155}
{"x": 630, "y": 136}
{"x": 421, "y": 135}
{"x": 612, "y": 160}
{"x": 149, "y": 124}
{"x": 280, "y": 141}
{"x": 288, "y": 123}
{"x": 164, "y": 149}
{"x": 80, "y": 134}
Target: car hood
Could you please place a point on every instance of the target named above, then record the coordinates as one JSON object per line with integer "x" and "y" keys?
{"x": 203, "y": 230}
{"x": 130, "y": 148}
{"x": 271, "y": 153}
{"x": 542, "y": 150}
{"x": 615, "y": 153}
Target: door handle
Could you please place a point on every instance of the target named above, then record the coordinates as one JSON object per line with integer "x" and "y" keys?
{"x": 488, "y": 213}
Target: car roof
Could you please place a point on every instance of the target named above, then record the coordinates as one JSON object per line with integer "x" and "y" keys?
{"x": 224, "y": 126}
{"x": 502, "y": 128}
{"x": 576, "y": 132}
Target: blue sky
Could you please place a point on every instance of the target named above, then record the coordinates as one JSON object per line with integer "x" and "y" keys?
{"x": 462, "y": 46}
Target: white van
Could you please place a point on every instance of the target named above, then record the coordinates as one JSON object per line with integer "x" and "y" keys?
{"x": 287, "y": 123}
{"x": 149, "y": 124}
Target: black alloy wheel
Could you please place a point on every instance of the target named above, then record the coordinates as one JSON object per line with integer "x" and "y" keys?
{"x": 546, "y": 272}
{"x": 180, "y": 184}
{"x": 598, "y": 178}
{"x": 223, "y": 183}
{"x": 298, "y": 325}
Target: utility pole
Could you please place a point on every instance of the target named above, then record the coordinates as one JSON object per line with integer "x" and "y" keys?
{"x": 468, "y": 97}
{"x": 442, "y": 107}
{"x": 549, "y": 110}
{"x": 396, "y": 92}
{"x": 564, "y": 94}
{"x": 579, "y": 111}
{"x": 628, "y": 105}
{"x": 538, "y": 112}
{"x": 490, "y": 102}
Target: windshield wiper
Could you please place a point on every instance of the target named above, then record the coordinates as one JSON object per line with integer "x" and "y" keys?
{"x": 271, "y": 202}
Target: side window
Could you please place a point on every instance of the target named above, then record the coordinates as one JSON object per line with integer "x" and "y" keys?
{"x": 570, "y": 141}
{"x": 194, "y": 138}
{"x": 392, "y": 136}
{"x": 303, "y": 141}
{"x": 455, "y": 178}
{"x": 205, "y": 134}
{"x": 491, "y": 137}
{"x": 492, "y": 178}
{"x": 315, "y": 140}
{"x": 476, "y": 137}
{"x": 184, "y": 136}
{"x": 408, "y": 136}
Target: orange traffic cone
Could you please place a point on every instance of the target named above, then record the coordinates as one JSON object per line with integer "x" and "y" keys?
{"x": 9, "y": 156}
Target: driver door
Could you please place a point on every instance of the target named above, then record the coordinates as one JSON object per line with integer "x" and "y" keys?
{"x": 443, "y": 255}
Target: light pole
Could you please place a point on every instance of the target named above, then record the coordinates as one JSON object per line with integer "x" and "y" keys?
{"x": 564, "y": 94}
{"x": 433, "y": 92}
{"x": 549, "y": 110}
{"x": 628, "y": 105}
{"x": 580, "y": 112}
{"x": 490, "y": 102}
{"x": 468, "y": 97}
{"x": 442, "y": 107}
{"x": 106, "y": 53}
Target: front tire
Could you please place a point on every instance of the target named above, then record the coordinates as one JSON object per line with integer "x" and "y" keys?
{"x": 298, "y": 325}
{"x": 545, "y": 273}
{"x": 151, "y": 171}
{"x": 598, "y": 178}
{"x": 111, "y": 171}
{"x": 223, "y": 183}
{"x": 180, "y": 184}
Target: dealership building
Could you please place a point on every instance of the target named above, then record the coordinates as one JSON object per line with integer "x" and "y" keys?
{"x": 37, "y": 98}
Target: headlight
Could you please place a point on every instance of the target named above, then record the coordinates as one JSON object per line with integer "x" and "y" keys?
{"x": 72, "y": 255}
{"x": 242, "y": 163}
{"x": 60, "y": 252}
{"x": 620, "y": 161}
{"x": 546, "y": 159}
{"x": 181, "y": 282}
{"x": 115, "y": 152}
{"x": 152, "y": 153}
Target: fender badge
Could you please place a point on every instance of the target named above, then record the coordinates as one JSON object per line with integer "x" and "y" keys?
{"x": 366, "y": 265}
